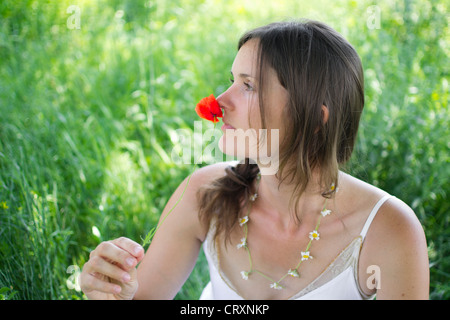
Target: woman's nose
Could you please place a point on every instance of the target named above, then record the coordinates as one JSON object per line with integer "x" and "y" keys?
{"x": 225, "y": 101}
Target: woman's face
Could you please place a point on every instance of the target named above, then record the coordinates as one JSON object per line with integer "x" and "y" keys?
{"x": 241, "y": 106}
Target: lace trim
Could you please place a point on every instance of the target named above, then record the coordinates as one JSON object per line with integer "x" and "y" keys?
{"x": 347, "y": 258}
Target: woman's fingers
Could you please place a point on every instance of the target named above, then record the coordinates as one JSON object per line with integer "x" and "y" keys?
{"x": 101, "y": 266}
{"x": 123, "y": 252}
{"x": 111, "y": 269}
{"x": 92, "y": 283}
{"x": 131, "y": 247}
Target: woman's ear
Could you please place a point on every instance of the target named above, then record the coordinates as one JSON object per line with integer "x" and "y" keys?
{"x": 325, "y": 114}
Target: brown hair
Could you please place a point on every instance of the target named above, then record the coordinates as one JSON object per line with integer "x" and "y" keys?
{"x": 317, "y": 67}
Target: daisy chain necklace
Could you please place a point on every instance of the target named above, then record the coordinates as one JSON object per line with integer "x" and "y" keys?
{"x": 304, "y": 255}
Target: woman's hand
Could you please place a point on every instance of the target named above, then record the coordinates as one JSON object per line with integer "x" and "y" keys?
{"x": 110, "y": 272}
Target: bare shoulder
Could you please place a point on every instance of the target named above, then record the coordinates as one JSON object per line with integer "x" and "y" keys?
{"x": 396, "y": 227}
{"x": 200, "y": 178}
{"x": 209, "y": 173}
{"x": 397, "y": 221}
{"x": 182, "y": 208}
{"x": 394, "y": 214}
{"x": 396, "y": 244}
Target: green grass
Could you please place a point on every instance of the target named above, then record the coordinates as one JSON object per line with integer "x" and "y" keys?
{"x": 88, "y": 117}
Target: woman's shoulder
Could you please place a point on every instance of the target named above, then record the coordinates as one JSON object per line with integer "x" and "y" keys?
{"x": 395, "y": 240}
{"x": 397, "y": 245}
{"x": 201, "y": 177}
{"x": 392, "y": 214}
{"x": 183, "y": 204}
{"x": 211, "y": 172}
{"x": 396, "y": 225}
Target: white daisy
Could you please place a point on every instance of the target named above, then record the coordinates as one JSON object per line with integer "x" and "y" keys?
{"x": 306, "y": 256}
{"x": 294, "y": 273}
{"x": 314, "y": 235}
{"x": 276, "y": 286}
{"x": 243, "y": 243}
{"x": 243, "y": 221}
{"x": 244, "y": 275}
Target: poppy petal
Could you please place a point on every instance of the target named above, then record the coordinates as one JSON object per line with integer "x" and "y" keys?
{"x": 208, "y": 108}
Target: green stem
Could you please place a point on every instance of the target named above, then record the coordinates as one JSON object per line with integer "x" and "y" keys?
{"x": 282, "y": 278}
{"x": 264, "y": 275}
{"x": 249, "y": 257}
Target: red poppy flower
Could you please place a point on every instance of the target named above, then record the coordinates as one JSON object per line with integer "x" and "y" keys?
{"x": 208, "y": 108}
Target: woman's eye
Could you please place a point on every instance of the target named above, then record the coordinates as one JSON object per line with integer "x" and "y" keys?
{"x": 248, "y": 86}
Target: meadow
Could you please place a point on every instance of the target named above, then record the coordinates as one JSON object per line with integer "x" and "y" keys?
{"x": 92, "y": 93}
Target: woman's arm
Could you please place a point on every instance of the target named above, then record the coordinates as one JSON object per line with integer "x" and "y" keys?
{"x": 111, "y": 273}
{"x": 174, "y": 250}
{"x": 396, "y": 245}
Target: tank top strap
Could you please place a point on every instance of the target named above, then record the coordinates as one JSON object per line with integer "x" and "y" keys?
{"x": 373, "y": 214}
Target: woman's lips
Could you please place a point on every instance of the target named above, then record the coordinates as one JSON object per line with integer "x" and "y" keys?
{"x": 226, "y": 126}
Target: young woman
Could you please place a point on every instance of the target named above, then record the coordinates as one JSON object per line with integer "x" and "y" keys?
{"x": 306, "y": 231}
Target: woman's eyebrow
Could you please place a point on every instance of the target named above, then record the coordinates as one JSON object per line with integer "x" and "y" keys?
{"x": 243, "y": 75}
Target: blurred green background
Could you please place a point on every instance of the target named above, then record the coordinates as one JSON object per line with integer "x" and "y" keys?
{"x": 91, "y": 93}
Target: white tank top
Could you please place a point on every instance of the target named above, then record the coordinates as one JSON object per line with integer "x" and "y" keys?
{"x": 339, "y": 281}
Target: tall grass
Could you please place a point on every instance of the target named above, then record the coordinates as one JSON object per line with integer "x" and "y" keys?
{"x": 88, "y": 119}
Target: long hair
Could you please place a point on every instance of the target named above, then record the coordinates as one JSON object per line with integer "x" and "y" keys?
{"x": 317, "y": 67}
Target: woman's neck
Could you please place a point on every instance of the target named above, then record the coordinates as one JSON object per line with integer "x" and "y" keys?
{"x": 275, "y": 199}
